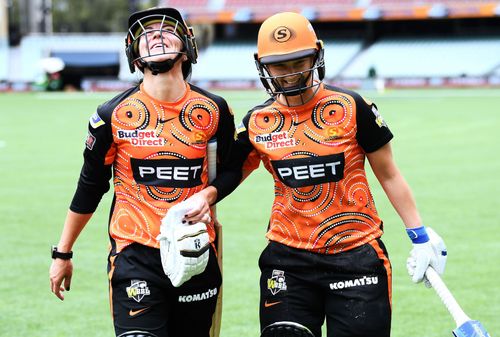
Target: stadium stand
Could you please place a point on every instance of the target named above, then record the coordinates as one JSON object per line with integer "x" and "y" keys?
{"x": 235, "y": 61}
{"x": 398, "y": 39}
{"x": 427, "y": 58}
{"x": 258, "y": 10}
{"x": 226, "y": 11}
{"x": 227, "y": 61}
{"x": 75, "y": 49}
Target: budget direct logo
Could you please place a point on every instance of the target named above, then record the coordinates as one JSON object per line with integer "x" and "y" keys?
{"x": 275, "y": 140}
{"x": 141, "y": 137}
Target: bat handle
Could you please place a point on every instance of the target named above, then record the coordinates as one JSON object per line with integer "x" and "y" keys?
{"x": 212, "y": 159}
{"x": 446, "y": 296}
{"x": 212, "y": 165}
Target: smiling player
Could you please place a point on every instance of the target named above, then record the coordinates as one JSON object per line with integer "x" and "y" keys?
{"x": 153, "y": 139}
{"x": 325, "y": 258}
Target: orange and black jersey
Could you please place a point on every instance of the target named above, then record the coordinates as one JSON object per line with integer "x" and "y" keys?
{"x": 316, "y": 154}
{"x": 157, "y": 154}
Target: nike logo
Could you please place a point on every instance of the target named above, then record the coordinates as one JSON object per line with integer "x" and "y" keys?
{"x": 298, "y": 123}
{"x": 165, "y": 120}
{"x": 137, "y": 312}
{"x": 270, "y": 304}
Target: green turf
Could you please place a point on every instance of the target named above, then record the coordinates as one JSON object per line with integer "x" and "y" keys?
{"x": 446, "y": 145}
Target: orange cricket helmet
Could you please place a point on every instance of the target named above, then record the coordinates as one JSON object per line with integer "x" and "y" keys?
{"x": 286, "y": 37}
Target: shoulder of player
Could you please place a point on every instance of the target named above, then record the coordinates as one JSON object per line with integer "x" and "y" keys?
{"x": 357, "y": 99}
{"x": 263, "y": 106}
{"x": 218, "y": 100}
{"x": 105, "y": 110}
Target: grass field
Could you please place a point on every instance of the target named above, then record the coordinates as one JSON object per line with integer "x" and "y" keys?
{"x": 446, "y": 144}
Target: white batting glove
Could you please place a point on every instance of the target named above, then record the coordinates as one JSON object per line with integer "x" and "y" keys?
{"x": 183, "y": 248}
{"x": 192, "y": 243}
{"x": 424, "y": 254}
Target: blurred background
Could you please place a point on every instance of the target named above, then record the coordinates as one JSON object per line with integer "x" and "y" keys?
{"x": 369, "y": 43}
{"x": 432, "y": 67}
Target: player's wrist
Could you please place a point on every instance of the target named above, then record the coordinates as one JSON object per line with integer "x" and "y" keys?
{"x": 210, "y": 193}
{"x": 418, "y": 235}
{"x": 58, "y": 254}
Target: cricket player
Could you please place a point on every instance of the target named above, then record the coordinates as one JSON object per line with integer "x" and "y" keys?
{"x": 325, "y": 258}
{"x": 153, "y": 140}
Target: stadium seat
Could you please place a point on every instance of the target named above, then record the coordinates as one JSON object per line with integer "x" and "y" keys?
{"x": 427, "y": 58}
{"x": 226, "y": 62}
{"x": 35, "y": 47}
{"x": 233, "y": 61}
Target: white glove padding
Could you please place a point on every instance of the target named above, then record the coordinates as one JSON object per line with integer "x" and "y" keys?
{"x": 431, "y": 253}
{"x": 183, "y": 248}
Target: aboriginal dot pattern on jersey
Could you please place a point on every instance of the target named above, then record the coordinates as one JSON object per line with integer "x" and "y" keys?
{"x": 326, "y": 217}
{"x": 149, "y": 130}
{"x": 132, "y": 113}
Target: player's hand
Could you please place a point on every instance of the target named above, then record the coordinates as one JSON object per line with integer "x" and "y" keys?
{"x": 198, "y": 208}
{"x": 431, "y": 253}
{"x": 60, "y": 275}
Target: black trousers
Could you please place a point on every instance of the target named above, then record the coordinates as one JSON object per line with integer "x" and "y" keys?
{"x": 143, "y": 298}
{"x": 351, "y": 290}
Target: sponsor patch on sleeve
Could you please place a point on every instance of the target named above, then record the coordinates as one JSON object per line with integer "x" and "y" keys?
{"x": 241, "y": 128}
{"x": 378, "y": 117}
{"x": 96, "y": 121}
{"x": 90, "y": 142}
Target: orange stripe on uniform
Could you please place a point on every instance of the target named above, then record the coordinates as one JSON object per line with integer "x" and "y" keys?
{"x": 110, "y": 276}
{"x": 387, "y": 265}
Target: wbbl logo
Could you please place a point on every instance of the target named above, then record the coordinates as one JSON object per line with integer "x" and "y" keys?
{"x": 276, "y": 283}
{"x": 137, "y": 290}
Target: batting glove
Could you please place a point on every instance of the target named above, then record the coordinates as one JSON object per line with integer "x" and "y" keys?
{"x": 428, "y": 250}
{"x": 183, "y": 248}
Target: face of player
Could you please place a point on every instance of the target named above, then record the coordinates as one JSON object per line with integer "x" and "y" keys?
{"x": 156, "y": 47}
{"x": 293, "y": 73}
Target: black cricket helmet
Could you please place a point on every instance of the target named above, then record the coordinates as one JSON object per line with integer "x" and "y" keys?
{"x": 172, "y": 22}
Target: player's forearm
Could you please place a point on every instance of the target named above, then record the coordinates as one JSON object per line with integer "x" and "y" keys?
{"x": 73, "y": 225}
{"x": 225, "y": 183}
{"x": 399, "y": 193}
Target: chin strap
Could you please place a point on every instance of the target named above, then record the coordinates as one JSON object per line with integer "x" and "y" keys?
{"x": 297, "y": 89}
{"x": 164, "y": 66}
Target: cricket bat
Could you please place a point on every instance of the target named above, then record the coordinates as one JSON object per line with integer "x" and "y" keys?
{"x": 466, "y": 327}
{"x": 212, "y": 173}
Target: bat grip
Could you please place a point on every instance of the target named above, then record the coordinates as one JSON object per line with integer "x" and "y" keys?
{"x": 446, "y": 297}
{"x": 212, "y": 165}
{"x": 212, "y": 159}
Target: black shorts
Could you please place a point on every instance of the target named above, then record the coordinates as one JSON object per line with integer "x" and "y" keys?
{"x": 352, "y": 290}
{"x": 143, "y": 298}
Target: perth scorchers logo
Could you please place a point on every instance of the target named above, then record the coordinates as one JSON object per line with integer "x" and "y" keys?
{"x": 282, "y": 34}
